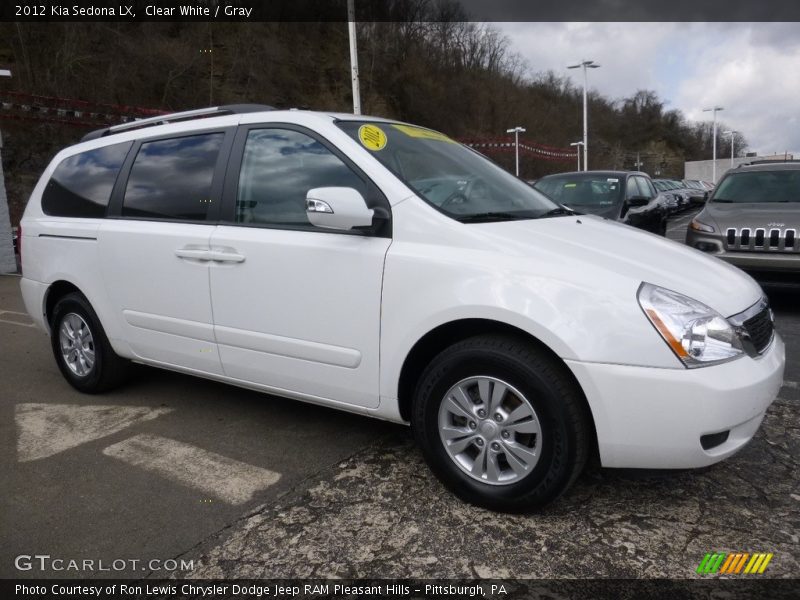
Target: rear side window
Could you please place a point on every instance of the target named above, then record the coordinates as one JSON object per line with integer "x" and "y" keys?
{"x": 81, "y": 184}
{"x": 171, "y": 179}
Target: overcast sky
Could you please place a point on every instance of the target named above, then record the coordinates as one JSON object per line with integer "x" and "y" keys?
{"x": 751, "y": 69}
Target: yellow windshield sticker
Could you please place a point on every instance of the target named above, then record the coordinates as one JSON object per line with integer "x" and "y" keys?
{"x": 372, "y": 137}
{"x": 566, "y": 185}
{"x": 425, "y": 134}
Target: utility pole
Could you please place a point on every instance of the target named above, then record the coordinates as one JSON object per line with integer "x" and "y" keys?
{"x": 578, "y": 152}
{"x": 731, "y": 133}
{"x": 516, "y": 131}
{"x": 351, "y": 27}
{"x": 585, "y": 64}
{"x": 713, "y": 110}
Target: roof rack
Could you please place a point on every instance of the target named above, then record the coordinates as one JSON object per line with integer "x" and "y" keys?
{"x": 774, "y": 161}
{"x": 187, "y": 115}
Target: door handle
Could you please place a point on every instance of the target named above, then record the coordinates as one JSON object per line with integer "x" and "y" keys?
{"x": 224, "y": 256}
{"x": 192, "y": 253}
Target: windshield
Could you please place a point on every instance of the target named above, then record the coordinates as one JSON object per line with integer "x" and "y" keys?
{"x": 759, "y": 186}
{"x": 584, "y": 192}
{"x": 457, "y": 181}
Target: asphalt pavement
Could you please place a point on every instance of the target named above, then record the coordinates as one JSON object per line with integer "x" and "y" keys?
{"x": 243, "y": 484}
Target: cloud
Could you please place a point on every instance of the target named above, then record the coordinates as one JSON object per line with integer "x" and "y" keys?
{"x": 752, "y": 72}
{"x": 626, "y": 51}
{"x": 749, "y": 68}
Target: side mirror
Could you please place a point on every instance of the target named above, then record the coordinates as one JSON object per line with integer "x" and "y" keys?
{"x": 638, "y": 201}
{"x": 337, "y": 208}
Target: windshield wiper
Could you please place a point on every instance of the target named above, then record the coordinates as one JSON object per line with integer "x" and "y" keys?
{"x": 561, "y": 210}
{"x": 722, "y": 200}
{"x": 490, "y": 216}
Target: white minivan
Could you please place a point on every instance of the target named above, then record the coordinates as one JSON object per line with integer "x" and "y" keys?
{"x": 382, "y": 268}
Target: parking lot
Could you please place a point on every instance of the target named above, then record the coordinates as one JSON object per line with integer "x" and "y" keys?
{"x": 249, "y": 485}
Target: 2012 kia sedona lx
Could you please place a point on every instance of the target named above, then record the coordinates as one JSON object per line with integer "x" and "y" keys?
{"x": 382, "y": 268}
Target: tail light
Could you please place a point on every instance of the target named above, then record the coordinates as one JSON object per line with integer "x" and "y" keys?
{"x": 19, "y": 244}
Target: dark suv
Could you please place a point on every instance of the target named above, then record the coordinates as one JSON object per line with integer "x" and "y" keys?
{"x": 625, "y": 196}
{"x": 752, "y": 220}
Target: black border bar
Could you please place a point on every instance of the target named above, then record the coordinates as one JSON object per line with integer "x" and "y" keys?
{"x": 54, "y": 11}
{"x": 754, "y": 587}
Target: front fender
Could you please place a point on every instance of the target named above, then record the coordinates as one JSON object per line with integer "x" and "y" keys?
{"x": 594, "y": 317}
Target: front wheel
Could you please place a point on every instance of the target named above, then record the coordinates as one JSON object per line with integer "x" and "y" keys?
{"x": 501, "y": 423}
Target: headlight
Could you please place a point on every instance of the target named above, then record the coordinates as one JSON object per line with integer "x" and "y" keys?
{"x": 697, "y": 334}
{"x": 700, "y": 226}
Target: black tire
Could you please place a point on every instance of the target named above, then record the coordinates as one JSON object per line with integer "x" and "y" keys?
{"x": 109, "y": 369}
{"x": 545, "y": 382}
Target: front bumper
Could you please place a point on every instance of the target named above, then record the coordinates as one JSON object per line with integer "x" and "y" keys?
{"x": 653, "y": 418}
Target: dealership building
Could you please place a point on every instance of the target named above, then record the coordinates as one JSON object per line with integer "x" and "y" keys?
{"x": 703, "y": 170}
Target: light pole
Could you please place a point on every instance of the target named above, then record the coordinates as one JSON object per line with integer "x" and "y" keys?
{"x": 516, "y": 131}
{"x": 585, "y": 64}
{"x": 731, "y": 133}
{"x": 578, "y": 152}
{"x": 713, "y": 110}
{"x": 351, "y": 28}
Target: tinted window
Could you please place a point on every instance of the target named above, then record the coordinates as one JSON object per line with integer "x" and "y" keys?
{"x": 632, "y": 189}
{"x": 81, "y": 184}
{"x": 759, "y": 186}
{"x": 645, "y": 189}
{"x": 171, "y": 179}
{"x": 581, "y": 190}
{"x": 279, "y": 166}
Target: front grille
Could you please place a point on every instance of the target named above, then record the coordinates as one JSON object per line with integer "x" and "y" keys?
{"x": 760, "y": 239}
{"x": 759, "y": 328}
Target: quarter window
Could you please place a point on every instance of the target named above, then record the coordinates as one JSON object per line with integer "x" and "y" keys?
{"x": 81, "y": 184}
{"x": 171, "y": 179}
{"x": 279, "y": 166}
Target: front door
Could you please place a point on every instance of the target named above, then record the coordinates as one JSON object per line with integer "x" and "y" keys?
{"x": 298, "y": 308}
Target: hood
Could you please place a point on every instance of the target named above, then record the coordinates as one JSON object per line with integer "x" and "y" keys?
{"x": 590, "y": 242}
{"x": 777, "y": 215}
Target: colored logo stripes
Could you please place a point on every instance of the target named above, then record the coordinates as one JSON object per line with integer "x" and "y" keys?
{"x": 734, "y": 563}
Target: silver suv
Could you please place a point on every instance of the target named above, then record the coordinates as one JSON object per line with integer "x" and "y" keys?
{"x": 752, "y": 220}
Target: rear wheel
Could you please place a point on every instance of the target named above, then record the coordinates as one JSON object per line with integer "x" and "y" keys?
{"x": 81, "y": 349}
{"x": 501, "y": 423}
